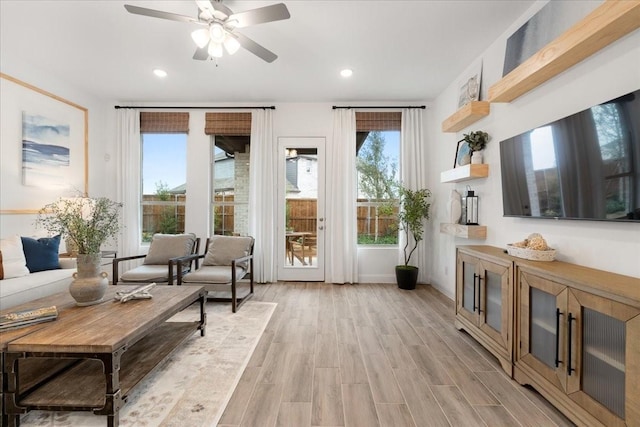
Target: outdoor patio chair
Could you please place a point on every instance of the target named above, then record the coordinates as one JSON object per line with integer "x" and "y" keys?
{"x": 305, "y": 249}
{"x": 160, "y": 263}
{"x": 226, "y": 271}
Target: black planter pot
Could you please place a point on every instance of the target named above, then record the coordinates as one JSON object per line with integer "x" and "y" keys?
{"x": 406, "y": 276}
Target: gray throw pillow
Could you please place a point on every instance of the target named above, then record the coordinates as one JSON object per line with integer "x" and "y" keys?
{"x": 166, "y": 246}
{"x": 223, "y": 249}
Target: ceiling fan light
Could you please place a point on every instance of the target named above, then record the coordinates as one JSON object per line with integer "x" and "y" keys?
{"x": 215, "y": 49}
{"x": 200, "y": 37}
{"x": 231, "y": 44}
{"x": 217, "y": 33}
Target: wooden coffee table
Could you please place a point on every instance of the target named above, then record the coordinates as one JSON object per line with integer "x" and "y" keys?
{"x": 90, "y": 358}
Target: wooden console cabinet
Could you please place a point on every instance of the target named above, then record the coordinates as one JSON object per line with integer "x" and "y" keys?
{"x": 484, "y": 299}
{"x": 571, "y": 332}
{"x": 579, "y": 341}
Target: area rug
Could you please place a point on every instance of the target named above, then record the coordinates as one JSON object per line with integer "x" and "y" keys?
{"x": 193, "y": 386}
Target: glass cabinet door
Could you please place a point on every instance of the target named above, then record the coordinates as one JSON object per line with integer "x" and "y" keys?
{"x": 467, "y": 287}
{"x": 543, "y": 310}
{"x": 599, "y": 353}
{"x": 495, "y": 294}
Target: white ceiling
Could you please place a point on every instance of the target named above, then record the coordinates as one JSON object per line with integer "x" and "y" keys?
{"x": 398, "y": 50}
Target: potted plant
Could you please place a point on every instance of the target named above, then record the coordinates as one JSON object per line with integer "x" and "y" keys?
{"x": 414, "y": 210}
{"x": 86, "y": 223}
{"x": 476, "y": 141}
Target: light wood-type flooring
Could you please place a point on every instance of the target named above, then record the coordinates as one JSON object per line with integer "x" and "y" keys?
{"x": 374, "y": 355}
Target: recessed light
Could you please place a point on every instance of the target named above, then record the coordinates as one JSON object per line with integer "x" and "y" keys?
{"x": 347, "y": 72}
{"x": 160, "y": 73}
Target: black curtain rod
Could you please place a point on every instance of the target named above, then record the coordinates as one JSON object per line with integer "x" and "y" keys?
{"x": 422, "y": 107}
{"x": 272, "y": 107}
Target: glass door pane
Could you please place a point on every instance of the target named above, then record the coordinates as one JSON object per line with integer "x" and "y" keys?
{"x": 543, "y": 327}
{"x": 493, "y": 303}
{"x": 301, "y": 186}
{"x": 469, "y": 293}
{"x": 603, "y": 359}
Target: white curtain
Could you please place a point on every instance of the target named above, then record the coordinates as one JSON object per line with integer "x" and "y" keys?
{"x": 262, "y": 195}
{"x": 413, "y": 176}
{"x": 128, "y": 134}
{"x": 341, "y": 233}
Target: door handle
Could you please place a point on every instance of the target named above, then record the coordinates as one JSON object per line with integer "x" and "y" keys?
{"x": 480, "y": 294}
{"x": 475, "y": 295}
{"x": 569, "y": 368}
{"x": 558, "y": 314}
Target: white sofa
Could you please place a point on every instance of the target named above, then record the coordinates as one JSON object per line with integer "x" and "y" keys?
{"x": 19, "y": 290}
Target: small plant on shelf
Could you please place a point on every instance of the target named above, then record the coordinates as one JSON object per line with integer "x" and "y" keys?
{"x": 476, "y": 140}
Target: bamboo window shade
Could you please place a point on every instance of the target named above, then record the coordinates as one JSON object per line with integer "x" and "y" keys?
{"x": 164, "y": 122}
{"x": 230, "y": 124}
{"x": 374, "y": 120}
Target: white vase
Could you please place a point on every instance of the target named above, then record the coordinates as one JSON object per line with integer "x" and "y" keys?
{"x": 455, "y": 207}
{"x": 89, "y": 283}
{"x": 476, "y": 158}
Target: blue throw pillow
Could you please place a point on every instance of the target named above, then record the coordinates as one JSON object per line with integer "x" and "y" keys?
{"x": 41, "y": 254}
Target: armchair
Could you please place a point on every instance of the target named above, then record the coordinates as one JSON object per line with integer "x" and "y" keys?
{"x": 228, "y": 260}
{"x": 160, "y": 263}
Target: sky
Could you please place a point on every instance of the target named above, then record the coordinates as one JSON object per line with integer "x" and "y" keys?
{"x": 164, "y": 158}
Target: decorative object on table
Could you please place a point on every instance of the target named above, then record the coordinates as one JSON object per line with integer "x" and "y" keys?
{"x": 414, "y": 210}
{"x": 534, "y": 247}
{"x": 463, "y": 154}
{"x": 455, "y": 207}
{"x": 28, "y": 317}
{"x": 88, "y": 222}
{"x": 470, "y": 208}
{"x": 141, "y": 292}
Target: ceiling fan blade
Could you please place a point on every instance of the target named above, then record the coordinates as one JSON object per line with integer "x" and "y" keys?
{"x": 160, "y": 14}
{"x": 275, "y": 12}
{"x": 217, "y": 5}
{"x": 255, "y": 48}
{"x": 201, "y": 54}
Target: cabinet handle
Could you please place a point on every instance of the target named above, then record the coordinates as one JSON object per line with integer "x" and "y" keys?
{"x": 569, "y": 320}
{"x": 475, "y": 295}
{"x": 479, "y": 293}
{"x": 558, "y": 314}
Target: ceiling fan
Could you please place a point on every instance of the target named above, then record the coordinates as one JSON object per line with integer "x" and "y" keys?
{"x": 220, "y": 24}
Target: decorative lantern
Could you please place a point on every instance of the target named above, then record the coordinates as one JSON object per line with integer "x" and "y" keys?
{"x": 470, "y": 207}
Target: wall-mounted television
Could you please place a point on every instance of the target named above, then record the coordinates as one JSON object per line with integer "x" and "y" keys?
{"x": 584, "y": 166}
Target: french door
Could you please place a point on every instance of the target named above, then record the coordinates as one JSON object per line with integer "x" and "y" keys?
{"x": 301, "y": 221}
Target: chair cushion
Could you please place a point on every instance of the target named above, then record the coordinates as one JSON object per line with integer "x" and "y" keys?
{"x": 41, "y": 254}
{"x": 223, "y": 249}
{"x": 166, "y": 246}
{"x": 12, "y": 260}
{"x": 147, "y": 273}
{"x": 219, "y": 274}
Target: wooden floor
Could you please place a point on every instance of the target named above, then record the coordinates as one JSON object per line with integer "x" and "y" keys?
{"x": 373, "y": 355}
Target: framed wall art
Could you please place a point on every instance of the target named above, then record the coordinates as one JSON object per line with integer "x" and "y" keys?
{"x": 463, "y": 154}
{"x": 43, "y": 147}
{"x": 470, "y": 85}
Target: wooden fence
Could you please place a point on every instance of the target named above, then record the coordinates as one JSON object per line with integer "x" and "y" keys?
{"x": 300, "y": 216}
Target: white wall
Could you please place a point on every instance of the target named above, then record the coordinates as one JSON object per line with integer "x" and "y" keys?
{"x": 613, "y": 71}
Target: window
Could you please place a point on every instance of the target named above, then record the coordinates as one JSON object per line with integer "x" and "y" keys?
{"x": 231, "y": 137}
{"x": 615, "y": 152}
{"x": 377, "y": 160}
{"x": 164, "y": 172}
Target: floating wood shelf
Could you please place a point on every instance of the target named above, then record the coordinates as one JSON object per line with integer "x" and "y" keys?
{"x": 466, "y": 116}
{"x": 464, "y": 231}
{"x": 465, "y": 173}
{"x": 606, "y": 24}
